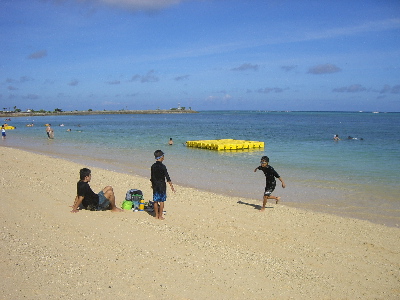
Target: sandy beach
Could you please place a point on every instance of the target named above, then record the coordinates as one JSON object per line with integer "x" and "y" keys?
{"x": 208, "y": 247}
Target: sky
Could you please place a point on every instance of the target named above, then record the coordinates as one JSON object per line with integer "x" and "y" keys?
{"x": 308, "y": 55}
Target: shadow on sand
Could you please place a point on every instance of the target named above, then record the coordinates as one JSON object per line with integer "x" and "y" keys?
{"x": 255, "y": 206}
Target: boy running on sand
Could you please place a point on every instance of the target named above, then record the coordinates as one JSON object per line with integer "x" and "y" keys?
{"x": 270, "y": 184}
{"x": 159, "y": 174}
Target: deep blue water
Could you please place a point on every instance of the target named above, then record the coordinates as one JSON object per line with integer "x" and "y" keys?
{"x": 350, "y": 177}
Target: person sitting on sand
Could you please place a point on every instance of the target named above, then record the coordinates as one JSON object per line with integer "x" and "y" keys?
{"x": 270, "y": 175}
{"x": 104, "y": 200}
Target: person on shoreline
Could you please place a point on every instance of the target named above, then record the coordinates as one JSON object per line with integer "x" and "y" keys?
{"x": 159, "y": 174}
{"x": 3, "y": 132}
{"x": 270, "y": 184}
{"x": 104, "y": 200}
{"x": 171, "y": 142}
{"x": 49, "y": 131}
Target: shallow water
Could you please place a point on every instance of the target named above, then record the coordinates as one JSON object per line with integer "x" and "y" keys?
{"x": 357, "y": 178}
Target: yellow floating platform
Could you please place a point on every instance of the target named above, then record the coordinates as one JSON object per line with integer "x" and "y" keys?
{"x": 225, "y": 144}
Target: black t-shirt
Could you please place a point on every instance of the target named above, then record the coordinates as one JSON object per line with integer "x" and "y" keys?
{"x": 159, "y": 174}
{"x": 90, "y": 198}
{"x": 270, "y": 173}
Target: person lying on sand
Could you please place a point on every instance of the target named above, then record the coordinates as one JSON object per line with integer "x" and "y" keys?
{"x": 104, "y": 200}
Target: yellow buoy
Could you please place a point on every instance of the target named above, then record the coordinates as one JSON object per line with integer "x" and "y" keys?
{"x": 225, "y": 144}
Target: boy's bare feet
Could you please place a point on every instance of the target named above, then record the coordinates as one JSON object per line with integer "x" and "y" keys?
{"x": 277, "y": 199}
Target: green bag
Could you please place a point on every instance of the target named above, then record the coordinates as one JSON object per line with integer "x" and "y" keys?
{"x": 127, "y": 205}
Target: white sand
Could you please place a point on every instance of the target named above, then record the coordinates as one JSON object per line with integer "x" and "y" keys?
{"x": 208, "y": 247}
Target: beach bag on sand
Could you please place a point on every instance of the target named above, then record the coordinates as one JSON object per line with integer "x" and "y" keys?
{"x": 127, "y": 205}
{"x": 134, "y": 195}
{"x": 132, "y": 199}
{"x": 148, "y": 206}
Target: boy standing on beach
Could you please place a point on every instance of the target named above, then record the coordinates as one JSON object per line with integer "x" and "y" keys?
{"x": 270, "y": 175}
{"x": 3, "y": 132}
{"x": 159, "y": 174}
{"x": 104, "y": 200}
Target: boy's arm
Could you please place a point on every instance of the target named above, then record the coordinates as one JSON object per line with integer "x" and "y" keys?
{"x": 283, "y": 183}
{"x": 172, "y": 186}
{"x": 77, "y": 202}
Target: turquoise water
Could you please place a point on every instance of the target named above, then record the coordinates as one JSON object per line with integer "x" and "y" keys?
{"x": 357, "y": 178}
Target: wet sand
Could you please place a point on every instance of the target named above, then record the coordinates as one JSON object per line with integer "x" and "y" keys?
{"x": 209, "y": 246}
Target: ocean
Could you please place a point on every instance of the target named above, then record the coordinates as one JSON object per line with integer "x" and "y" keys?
{"x": 355, "y": 177}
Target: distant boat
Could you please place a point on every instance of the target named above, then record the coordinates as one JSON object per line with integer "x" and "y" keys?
{"x": 375, "y": 112}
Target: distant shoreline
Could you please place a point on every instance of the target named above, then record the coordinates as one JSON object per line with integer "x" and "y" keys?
{"x": 95, "y": 112}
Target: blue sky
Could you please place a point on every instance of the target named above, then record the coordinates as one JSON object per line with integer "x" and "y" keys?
{"x": 203, "y": 54}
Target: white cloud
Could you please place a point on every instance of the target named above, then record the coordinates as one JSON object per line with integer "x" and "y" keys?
{"x": 354, "y": 88}
{"x": 31, "y": 96}
{"x": 139, "y": 4}
{"x": 38, "y": 54}
{"x": 114, "y": 82}
{"x": 149, "y": 77}
{"x": 390, "y": 89}
{"x": 324, "y": 69}
{"x": 375, "y": 26}
{"x": 219, "y": 99}
{"x": 183, "y": 77}
{"x": 270, "y": 90}
{"x": 73, "y": 82}
{"x": 245, "y": 67}
{"x": 288, "y": 68}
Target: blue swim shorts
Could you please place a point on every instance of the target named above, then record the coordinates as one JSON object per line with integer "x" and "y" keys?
{"x": 159, "y": 197}
{"x": 104, "y": 203}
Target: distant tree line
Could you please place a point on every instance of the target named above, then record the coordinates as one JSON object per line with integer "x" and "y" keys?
{"x": 59, "y": 110}
{"x": 18, "y": 110}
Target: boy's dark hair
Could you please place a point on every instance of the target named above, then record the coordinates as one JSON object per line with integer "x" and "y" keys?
{"x": 158, "y": 153}
{"x": 265, "y": 158}
{"x": 84, "y": 172}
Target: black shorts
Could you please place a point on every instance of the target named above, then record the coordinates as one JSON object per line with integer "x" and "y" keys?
{"x": 269, "y": 188}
